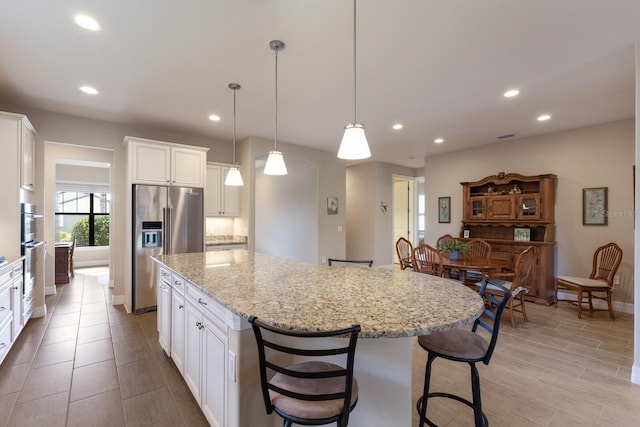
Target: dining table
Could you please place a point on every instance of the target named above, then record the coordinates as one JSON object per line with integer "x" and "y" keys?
{"x": 463, "y": 265}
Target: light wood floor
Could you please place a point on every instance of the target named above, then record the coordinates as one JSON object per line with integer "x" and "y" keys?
{"x": 89, "y": 363}
{"x": 556, "y": 370}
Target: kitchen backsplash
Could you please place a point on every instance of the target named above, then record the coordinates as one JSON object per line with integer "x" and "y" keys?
{"x": 219, "y": 227}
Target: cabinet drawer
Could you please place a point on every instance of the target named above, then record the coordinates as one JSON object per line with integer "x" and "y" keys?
{"x": 210, "y": 308}
{"x": 5, "y": 304}
{"x": 5, "y": 339}
{"x": 165, "y": 275}
{"x": 177, "y": 283}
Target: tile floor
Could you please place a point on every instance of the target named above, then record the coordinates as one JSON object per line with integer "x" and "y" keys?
{"x": 88, "y": 363}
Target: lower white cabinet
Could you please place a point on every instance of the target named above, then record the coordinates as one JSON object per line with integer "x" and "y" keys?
{"x": 178, "y": 311}
{"x": 11, "y": 305}
{"x": 164, "y": 316}
{"x": 16, "y": 301}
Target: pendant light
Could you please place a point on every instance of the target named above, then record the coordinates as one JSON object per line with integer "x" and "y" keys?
{"x": 275, "y": 162}
{"x": 354, "y": 144}
{"x": 234, "y": 178}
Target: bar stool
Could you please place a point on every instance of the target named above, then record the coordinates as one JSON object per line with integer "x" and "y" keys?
{"x": 462, "y": 345}
{"x": 312, "y": 392}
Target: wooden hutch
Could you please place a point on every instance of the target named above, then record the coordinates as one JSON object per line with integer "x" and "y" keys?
{"x": 513, "y": 212}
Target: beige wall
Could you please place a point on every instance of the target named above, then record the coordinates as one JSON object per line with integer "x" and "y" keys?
{"x": 331, "y": 183}
{"x": 595, "y": 156}
{"x": 369, "y": 229}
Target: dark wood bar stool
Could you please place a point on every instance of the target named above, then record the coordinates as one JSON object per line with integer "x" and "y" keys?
{"x": 313, "y": 392}
{"x": 462, "y": 345}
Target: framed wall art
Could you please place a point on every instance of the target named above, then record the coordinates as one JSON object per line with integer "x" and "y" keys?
{"x": 594, "y": 206}
{"x": 444, "y": 209}
{"x": 332, "y": 206}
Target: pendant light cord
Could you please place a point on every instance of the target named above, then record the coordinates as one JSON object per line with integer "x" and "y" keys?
{"x": 275, "y": 142}
{"x": 354, "y": 62}
{"x": 234, "y": 127}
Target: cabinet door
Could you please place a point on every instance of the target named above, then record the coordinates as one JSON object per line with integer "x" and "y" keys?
{"x": 230, "y": 195}
{"x": 477, "y": 208}
{"x": 164, "y": 312}
{"x": 177, "y": 330}
{"x": 28, "y": 146}
{"x": 502, "y": 207}
{"x": 192, "y": 350}
{"x": 16, "y": 304}
{"x": 214, "y": 374}
{"x": 212, "y": 199}
{"x": 187, "y": 167}
{"x": 151, "y": 163}
{"x": 528, "y": 206}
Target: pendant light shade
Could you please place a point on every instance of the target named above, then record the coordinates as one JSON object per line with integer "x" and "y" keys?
{"x": 354, "y": 145}
{"x": 234, "y": 178}
{"x": 275, "y": 162}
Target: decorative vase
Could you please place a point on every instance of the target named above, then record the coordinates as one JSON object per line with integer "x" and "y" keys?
{"x": 454, "y": 255}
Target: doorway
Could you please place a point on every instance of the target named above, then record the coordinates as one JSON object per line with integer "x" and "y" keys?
{"x": 408, "y": 210}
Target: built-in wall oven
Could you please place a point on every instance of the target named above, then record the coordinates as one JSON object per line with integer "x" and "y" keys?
{"x": 31, "y": 249}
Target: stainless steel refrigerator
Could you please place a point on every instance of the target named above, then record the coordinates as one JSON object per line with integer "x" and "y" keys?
{"x": 166, "y": 220}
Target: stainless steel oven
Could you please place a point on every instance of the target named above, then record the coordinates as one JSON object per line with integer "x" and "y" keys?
{"x": 28, "y": 224}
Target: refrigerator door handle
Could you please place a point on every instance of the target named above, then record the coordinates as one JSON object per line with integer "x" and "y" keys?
{"x": 166, "y": 220}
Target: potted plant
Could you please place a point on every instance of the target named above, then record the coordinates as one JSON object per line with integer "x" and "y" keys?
{"x": 455, "y": 248}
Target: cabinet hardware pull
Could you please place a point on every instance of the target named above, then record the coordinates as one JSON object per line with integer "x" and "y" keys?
{"x": 180, "y": 307}
{"x": 198, "y": 324}
{"x": 2, "y": 345}
{"x": 16, "y": 288}
{"x": 202, "y": 302}
{"x": 2, "y": 308}
{"x": 201, "y": 327}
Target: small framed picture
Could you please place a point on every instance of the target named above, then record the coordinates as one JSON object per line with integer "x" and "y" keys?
{"x": 594, "y": 206}
{"x": 465, "y": 234}
{"x": 332, "y": 206}
{"x": 444, "y": 209}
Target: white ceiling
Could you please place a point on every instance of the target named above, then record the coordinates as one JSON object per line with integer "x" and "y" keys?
{"x": 440, "y": 67}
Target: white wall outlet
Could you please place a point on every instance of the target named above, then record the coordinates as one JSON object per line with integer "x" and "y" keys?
{"x": 616, "y": 280}
{"x": 324, "y": 260}
{"x": 339, "y": 229}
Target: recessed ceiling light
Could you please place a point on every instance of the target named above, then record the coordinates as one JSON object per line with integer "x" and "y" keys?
{"x": 397, "y": 126}
{"x": 544, "y": 117}
{"x": 511, "y": 93}
{"x": 87, "y": 22}
{"x": 214, "y": 118}
{"x": 89, "y": 90}
{"x": 438, "y": 140}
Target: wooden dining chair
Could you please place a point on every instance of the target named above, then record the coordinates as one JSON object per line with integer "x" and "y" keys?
{"x": 599, "y": 284}
{"x": 404, "y": 250}
{"x": 517, "y": 282}
{"x": 317, "y": 391}
{"x": 478, "y": 248}
{"x": 71, "y": 252}
{"x": 427, "y": 259}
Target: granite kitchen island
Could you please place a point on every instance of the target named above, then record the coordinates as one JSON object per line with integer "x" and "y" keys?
{"x": 391, "y": 306}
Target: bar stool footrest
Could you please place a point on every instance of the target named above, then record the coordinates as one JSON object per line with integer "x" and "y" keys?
{"x": 448, "y": 396}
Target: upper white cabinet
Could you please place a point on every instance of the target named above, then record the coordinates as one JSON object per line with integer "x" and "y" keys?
{"x": 28, "y": 155}
{"x": 220, "y": 199}
{"x": 164, "y": 163}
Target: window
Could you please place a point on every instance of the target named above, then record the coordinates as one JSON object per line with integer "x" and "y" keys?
{"x": 85, "y": 215}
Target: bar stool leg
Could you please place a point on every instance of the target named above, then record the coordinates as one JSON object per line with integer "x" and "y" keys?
{"x": 477, "y": 401}
{"x": 422, "y": 402}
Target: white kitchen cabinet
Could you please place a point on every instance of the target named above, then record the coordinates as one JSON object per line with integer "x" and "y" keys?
{"x": 220, "y": 199}
{"x": 165, "y": 163}
{"x": 28, "y": 150}
{"x": 206, "y": 355}
{"x": 11, "y": 322}
{"x": 177, "y": 328}
{"x": 164, "y": 313}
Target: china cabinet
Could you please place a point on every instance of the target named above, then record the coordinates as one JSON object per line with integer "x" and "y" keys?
{"x": 511, "y": 212}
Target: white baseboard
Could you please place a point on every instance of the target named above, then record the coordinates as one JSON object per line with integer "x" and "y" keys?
{"x": 117, "y": 300}
{"x": 50, "y": 290}
{"x": 39, "y": 311}
{"x": 623, "y": 307}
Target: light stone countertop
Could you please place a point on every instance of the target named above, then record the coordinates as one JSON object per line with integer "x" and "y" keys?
{"x": 225, "y": 240}
{"x": 300, "y": 296}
